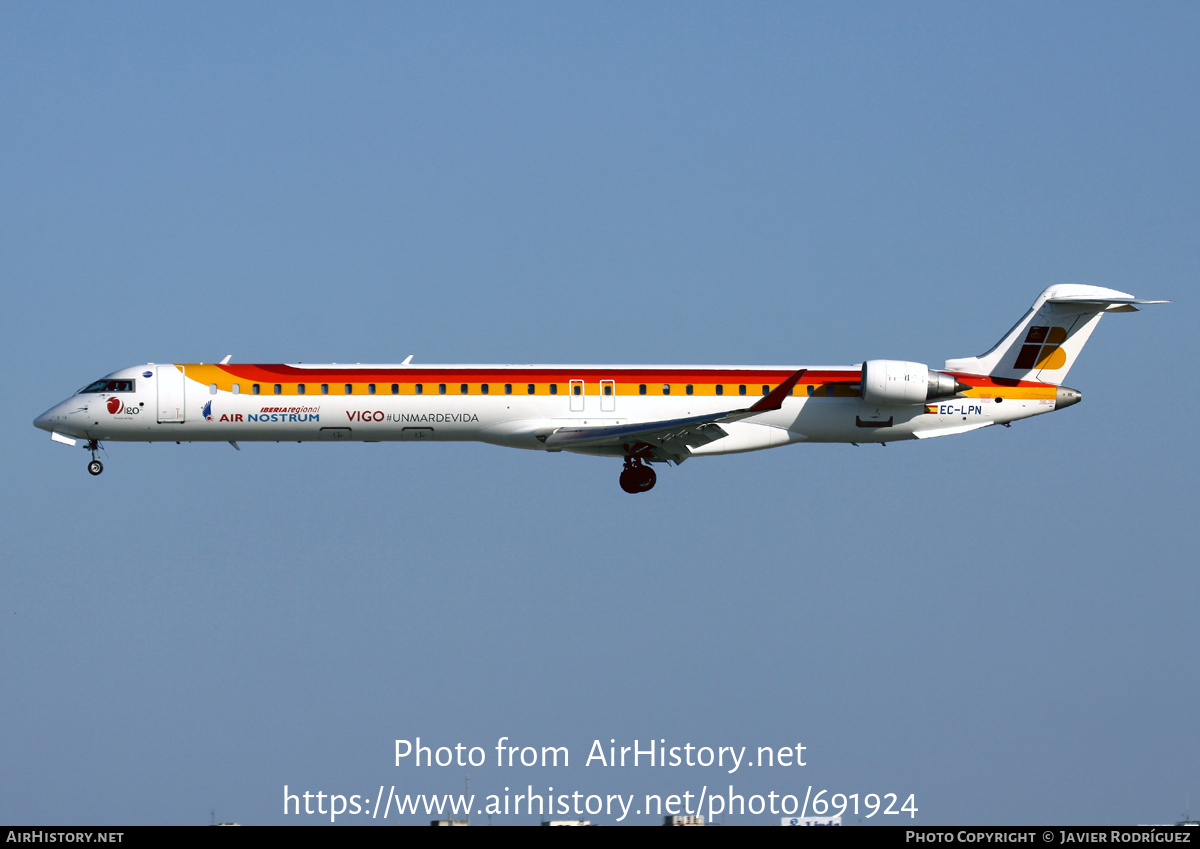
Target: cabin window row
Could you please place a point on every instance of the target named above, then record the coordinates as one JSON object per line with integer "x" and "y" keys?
{"x": 419, "y": 389}
{"x": 689, "y": 389}
{"x": 485, "y": 389}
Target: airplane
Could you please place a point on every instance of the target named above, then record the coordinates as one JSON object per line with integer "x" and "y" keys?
{"x": 645, "y": 415}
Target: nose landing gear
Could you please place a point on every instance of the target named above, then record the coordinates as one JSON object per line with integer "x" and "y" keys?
{"x": 95, "y": 467}
{"x": 637, "y": 476}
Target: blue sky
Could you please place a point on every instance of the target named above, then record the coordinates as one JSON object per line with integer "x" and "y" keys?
{"x": 1002, "y": 623}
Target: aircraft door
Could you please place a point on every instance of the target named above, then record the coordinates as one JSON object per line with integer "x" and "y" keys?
{"x": 170, "y": 394}
{"x": 608, "y": 396}
{"x": 576, "y": 390}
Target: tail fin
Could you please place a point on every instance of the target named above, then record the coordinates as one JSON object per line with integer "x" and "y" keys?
{"x": 1044, "y": 344}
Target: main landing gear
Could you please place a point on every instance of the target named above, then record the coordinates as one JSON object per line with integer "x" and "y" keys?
{"x": 637, "y": 476}
{"x": 95, "y": 467}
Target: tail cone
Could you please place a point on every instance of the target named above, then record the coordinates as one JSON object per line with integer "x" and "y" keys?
{"x": 1065, "y": 397}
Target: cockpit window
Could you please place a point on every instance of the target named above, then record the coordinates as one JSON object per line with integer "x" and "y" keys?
{"x": 107, "y": 386}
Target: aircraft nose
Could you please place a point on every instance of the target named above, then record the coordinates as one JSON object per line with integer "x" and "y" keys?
{"x": 55, "y": 418}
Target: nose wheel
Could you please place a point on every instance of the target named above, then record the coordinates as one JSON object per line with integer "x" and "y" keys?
{"x": 95, "y": 467}
{"x": 637, "y": 476}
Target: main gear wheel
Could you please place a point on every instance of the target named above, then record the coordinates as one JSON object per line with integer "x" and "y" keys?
{"x": 637, "y": 476}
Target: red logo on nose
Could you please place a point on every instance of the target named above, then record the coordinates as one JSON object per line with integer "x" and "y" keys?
{"x": 114, "y": 405}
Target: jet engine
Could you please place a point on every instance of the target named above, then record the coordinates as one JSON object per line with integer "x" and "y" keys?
{"x": 892, "y": 383}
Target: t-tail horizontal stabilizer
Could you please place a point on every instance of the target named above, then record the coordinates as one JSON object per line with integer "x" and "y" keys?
{"x": 1044, "y": 344}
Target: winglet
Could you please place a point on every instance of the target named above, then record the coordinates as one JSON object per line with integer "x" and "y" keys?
{"x": 774, "y": 400}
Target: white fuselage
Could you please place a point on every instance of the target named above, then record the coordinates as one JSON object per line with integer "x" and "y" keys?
{"x": 515, "y": 406}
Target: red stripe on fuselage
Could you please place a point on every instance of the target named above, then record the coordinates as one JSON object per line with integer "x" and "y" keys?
{"x": 518, "y": 374}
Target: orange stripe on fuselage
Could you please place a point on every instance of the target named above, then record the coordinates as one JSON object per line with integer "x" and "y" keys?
{"x": 627, "y": 380}
{"x": 983, "y": 386}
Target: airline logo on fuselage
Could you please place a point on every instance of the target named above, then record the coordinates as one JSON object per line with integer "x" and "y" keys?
{"x": 285, "y": 414}
{"x": 266, "y": 414}
{"x": 288, "y": 415}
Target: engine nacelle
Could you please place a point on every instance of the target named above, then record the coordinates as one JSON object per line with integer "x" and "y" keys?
{"x": 893, "y": 383}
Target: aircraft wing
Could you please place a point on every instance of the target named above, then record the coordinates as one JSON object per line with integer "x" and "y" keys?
{"x": 670, "y": 439}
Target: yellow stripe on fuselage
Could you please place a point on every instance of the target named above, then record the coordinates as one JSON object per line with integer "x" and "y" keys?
{"x": 225, "y": 381}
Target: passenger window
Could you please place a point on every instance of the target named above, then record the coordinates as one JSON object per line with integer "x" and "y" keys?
{"x": 508, "y": 389}
{"x": 553, "y": 388}
{"x": 689, "y": 389}
{"x": 420, "y": 388}
{"x": 212, "y": 389}
{"x": 324, "y": 388}
{"x": 396, "y": 389}
{"x": 462, "y": 389}
{"x": 349, "y": 389}
{"x": 812, "y": 390}
{"x": 370, "y": 388}
{"x": 237, "y": 389}
{"x": 720, "y": 389}
{"x": 441, "y": 389}
{"x": 278, "y": 389}
{"x": 829, "y": 390}
{"x": 642, "y": 389}
{"x": 254, "y": 389}
{"x": 666, "y": 389}
{"x": 300, "y": 388}
{"x": 483, "y": 389}
{"x": 530, "y": 389}
{"x": 742, "y": 389}
{"x": 766, "y": 389}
